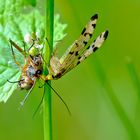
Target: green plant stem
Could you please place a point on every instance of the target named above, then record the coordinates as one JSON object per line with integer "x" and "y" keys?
{"x": 47, "y": 112}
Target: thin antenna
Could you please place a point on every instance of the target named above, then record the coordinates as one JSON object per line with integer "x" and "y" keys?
{"x": 13, "y": 81}
{"x": 43, "y": 98}
{"x": 27, "y": 95}
{"x": 60, "y": 98}
{"x": 39, "y": 105}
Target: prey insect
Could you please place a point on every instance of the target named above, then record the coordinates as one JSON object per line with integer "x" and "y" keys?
{"x": 76, "y": 53}
{"x": 32, "y": 69}
{"x": 32, "y": 66}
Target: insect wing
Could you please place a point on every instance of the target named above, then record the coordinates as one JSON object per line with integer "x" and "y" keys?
{"x": 90, "y": 49}
{"x": 69, "y": 57}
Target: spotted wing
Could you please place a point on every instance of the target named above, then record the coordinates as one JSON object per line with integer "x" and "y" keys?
{"x": 67, "y": 59}
{"x": 89, "y": 50}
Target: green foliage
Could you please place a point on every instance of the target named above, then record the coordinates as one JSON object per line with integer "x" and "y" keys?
{"x": 30, "y": 2}
{"x": 15, "y": 26}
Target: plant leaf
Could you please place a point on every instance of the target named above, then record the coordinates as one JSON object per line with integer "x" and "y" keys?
{"x": 15, "y": 25}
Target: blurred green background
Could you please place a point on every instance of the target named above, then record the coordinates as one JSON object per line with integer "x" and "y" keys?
{"x": 102, "y": 93}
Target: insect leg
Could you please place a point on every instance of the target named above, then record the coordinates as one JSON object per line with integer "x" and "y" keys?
{"x": 13, "y": 44}
{"x": 26, "y": 97}
{"x": 32, "y": 44}
{"x": 18, "y": 48}
{"x": 54, "y": 50}
{"x": 24, "y": 48}
{"x": 39, "y": 105}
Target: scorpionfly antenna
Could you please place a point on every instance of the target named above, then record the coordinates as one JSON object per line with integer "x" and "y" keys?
{"x": 57, "y": 96}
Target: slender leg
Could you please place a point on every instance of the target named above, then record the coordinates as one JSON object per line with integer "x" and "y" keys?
{"x": 24, "y": 48}
{"x": 39, "y": 105}
{"x": 13, "y": 44}
{"x": 44, "y": 60}
{"x": 26, "y": 97}
{"x": 54, "y": 52}
{"x": 18, "y": 48}
{"x": 32, "y": 44}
